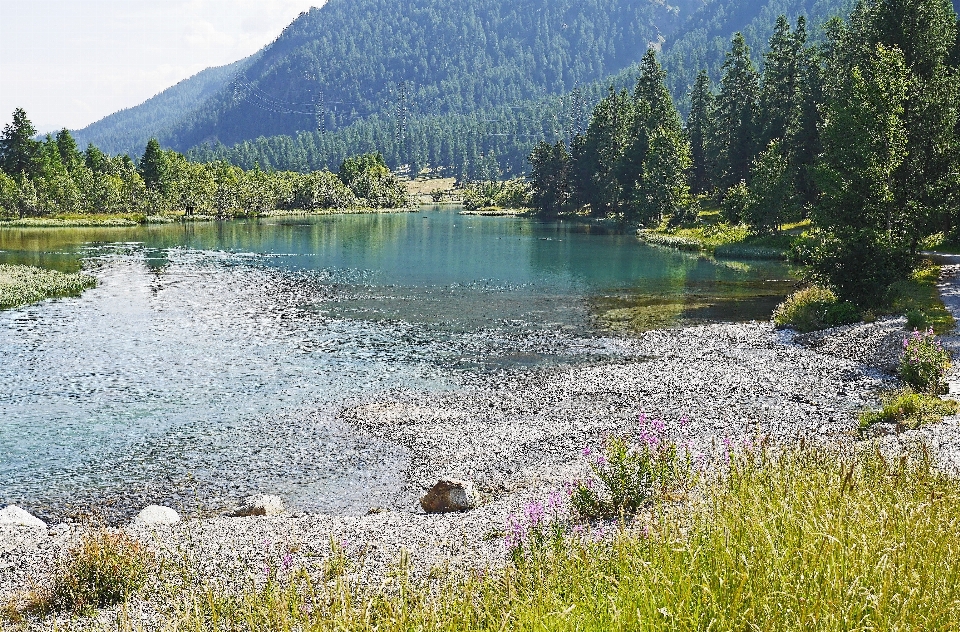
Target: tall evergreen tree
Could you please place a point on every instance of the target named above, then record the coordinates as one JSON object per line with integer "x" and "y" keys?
{"x": 153, "y": 166}
{"x": 597, "y": 169}
{"x": 733, "y": 137}
{"x": 654, "y": 164}
{"x": 699, "y": 124}
{"x": 550, "y": 177}
{"x": 70, "y": 156}
{"x": 780, "y": 88}
{"x": 19, "y": 152}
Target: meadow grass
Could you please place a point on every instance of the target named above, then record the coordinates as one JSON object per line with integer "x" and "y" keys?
{"x": 733, "y": 241}
{"x": 919, "y": 299}
{"x": 22, "y": 285}
{"x": 804, "y": 541}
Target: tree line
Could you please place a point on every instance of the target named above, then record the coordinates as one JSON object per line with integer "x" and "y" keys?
{"x": 53, "y": 177}
{"x": 857, "y": 133}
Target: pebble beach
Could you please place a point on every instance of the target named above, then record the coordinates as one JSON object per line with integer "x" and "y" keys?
{"x": 519, "y": 435}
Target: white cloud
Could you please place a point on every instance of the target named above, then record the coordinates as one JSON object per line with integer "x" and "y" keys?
{"x": 70, "y": 62}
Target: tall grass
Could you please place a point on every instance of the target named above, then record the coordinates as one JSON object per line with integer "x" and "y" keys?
{"x": 803, "y": 542}
{"x": 22, "y": 285}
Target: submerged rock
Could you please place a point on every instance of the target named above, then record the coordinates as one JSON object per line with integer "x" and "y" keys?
{"x": 155, "y": 514}
{"x": 264, "y": 505}
{"x": 449, "y": 495}
{"x": 13, "y": 515}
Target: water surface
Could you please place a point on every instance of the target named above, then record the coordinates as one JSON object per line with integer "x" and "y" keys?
{"x": 212, "y": 358}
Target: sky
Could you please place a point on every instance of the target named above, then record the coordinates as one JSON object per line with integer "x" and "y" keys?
{"x": 69, "y": 63}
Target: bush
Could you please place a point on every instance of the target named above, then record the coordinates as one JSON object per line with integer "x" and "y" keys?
{"x": 625, "y": 476}
{"x": 860, "y": 266}
{"x": 910, "y": 409}
{"x": 924, "y": 362}
{"x": 104, "y": 569}
{"x": 814, "y": 308}
{"x": 733, "y": 207}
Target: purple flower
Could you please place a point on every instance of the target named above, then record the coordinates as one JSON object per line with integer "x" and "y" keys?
{"x": 587, "y": 451}
{"x": 287, "y": 561}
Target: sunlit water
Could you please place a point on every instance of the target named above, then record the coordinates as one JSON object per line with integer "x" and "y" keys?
{"x": 211, "y": 359}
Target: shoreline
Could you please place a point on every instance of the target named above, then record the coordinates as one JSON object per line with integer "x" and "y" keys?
{"x": 518, "y": 435}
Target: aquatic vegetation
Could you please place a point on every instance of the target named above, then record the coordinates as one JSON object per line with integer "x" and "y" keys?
{"x": 22, "y": 285}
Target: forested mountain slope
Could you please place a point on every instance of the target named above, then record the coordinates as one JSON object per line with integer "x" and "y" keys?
{"x": 495, "y": 139}
{"x": 128, "y": 130}
{"x": 351, "y": 59}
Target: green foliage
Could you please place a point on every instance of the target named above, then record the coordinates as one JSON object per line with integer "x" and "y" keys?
{"x": 512, "y": 194}
{"x": 910, "y": 409}
{"x": 105, "y": 568}
{"x": 771, "y": 198}
{"x": 860, "y": 265}
{"x": 924, "y": 362}
{"x": 550, "y": 178}
{"x": 626, "y": 476}
{"x": 736, "y": 201}
{"x": 810, "y": 540}
{"x": 22, "y": 285}
{"x": 733, "y": 137}
{"x": 20, "y": 154}
{"x": 814, "y": 308}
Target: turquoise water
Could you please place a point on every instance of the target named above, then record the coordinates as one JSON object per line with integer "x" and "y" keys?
{"x": 211, "y": 359}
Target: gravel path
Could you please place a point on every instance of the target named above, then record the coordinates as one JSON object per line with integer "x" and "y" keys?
{"x": 519, "y": 435}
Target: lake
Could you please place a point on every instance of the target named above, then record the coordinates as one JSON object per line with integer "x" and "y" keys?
{"x": 211, "y": 359}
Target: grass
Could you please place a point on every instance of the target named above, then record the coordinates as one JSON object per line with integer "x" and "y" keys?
{"x": 103, "y": 569}
{"x": 918, "y": 298}
{"x": 909, "y": 409}
{"x": 808, "y": 541}
{"x": 76, "y": 220}
{"x": 725, "y": 240}
{"x": 22, "y": 285}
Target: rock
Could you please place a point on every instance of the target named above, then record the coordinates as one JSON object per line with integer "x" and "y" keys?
{"x": 449, "y": 495}
{"x": 155, "y": 514}
{"x": 264, "y": 505}
{"x": 13, "y": 515}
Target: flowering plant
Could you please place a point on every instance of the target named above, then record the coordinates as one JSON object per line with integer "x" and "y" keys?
{"x": 924, "y": 362}
{"x": 626, "y": 475}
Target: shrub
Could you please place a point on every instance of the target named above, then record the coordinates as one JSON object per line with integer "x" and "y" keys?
{"x": 814, "y": 308}
{"x": 735, "y": 202}
{"x": 924, "y": 362}
{"x": 916, "y": 319}
{"x": 104, "y": 569}
{"x": 625, "y": 476}
{"x": 860, "y": 266}
{"x": 910, "y": 409}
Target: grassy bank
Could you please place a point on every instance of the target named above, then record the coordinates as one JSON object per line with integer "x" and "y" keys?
{"x": 806, "y": 543}
{"x": 725, "y": 240}
{"x": 22, "y": 285}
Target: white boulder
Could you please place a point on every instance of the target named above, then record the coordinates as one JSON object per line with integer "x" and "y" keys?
{"x": 16, "y": 516}
{"x": 155, "y": 514}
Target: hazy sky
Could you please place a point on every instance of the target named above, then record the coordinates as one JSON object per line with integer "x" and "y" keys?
{"x": 71, "y": 62}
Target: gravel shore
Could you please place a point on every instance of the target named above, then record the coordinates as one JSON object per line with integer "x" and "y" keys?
{"x": 518, "y": 435}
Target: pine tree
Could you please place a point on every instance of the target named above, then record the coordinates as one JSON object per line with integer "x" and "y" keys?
{"x": 550, "y": 177}
{"x": 733, "y": 135}
{"x": 19, "y": 152}
{"x": 70, "y": 156}
{"x": 153, "y": 166}
{"x": 780, "y": 88}
{"x": 698, "y": 128}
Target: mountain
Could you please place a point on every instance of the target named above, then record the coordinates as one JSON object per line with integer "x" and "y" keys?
{"x": 128, "y": 130}
{"x": 469, "y": 84}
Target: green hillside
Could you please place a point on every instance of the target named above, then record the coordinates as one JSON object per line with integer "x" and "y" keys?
{"x": 128, "y": 130}
{"x": 471, "y": 85}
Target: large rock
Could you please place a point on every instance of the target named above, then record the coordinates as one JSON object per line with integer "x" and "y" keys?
{"x": 155, "y": 514}
{"x": 449, "y": 495}
{"x": 13, "y": 515}
{"x": 264, "y": 505}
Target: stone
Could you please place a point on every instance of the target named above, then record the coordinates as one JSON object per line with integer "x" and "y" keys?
{"x": 449, "y": 495}
{"x": 16, "y": 516}
{"x": 264, "y": 505}
{"x": 155, "y": 514}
